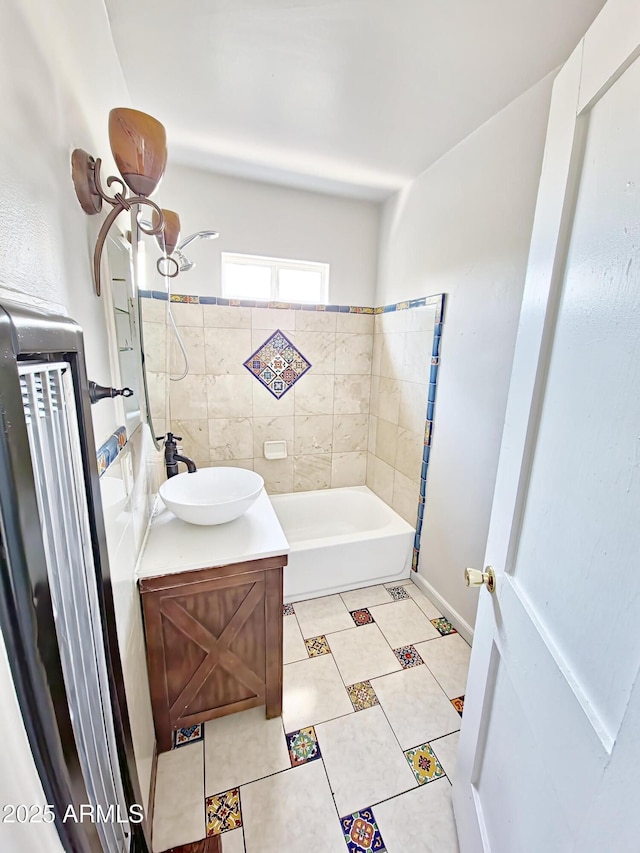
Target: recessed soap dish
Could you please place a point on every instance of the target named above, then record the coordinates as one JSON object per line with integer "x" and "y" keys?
{"x": 275, "y": 450}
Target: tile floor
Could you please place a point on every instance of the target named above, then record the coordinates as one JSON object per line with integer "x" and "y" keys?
{"x": 363, "y": 755}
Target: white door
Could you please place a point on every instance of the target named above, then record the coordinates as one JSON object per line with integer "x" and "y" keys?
{"x": 549, "y": 755}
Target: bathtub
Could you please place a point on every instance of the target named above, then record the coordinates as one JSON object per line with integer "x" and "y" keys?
{"x": 341, "y": 539}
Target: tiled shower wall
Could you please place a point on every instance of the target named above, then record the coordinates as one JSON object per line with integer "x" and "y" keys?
{"x": 401, "y": 362}
{"x": 225, "y": 415}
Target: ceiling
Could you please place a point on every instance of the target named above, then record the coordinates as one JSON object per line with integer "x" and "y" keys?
{"x": 349, "y": 96}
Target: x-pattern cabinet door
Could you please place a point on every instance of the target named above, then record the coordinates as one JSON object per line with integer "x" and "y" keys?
{"x": 214, "y": 643}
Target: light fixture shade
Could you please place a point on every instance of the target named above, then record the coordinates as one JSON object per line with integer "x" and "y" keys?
{"x": 169, "y": 238}
{"x": 139, "y": 147}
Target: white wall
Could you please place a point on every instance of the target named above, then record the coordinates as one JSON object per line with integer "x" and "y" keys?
{"x": 463, "y": 228}
{"x": 264, "y": 219}
{"x": 60, "y": 77}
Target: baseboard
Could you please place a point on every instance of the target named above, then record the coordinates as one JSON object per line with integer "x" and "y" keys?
{"x": 461, "y": 625}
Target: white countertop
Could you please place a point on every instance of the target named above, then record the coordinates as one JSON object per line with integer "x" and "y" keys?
{"x": 175, "y": 546}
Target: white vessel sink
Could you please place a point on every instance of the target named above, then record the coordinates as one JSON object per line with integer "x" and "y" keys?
{"x": 211, "y": 495}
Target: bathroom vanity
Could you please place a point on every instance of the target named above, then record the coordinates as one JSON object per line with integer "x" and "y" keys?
{"x": 212, "y": 604}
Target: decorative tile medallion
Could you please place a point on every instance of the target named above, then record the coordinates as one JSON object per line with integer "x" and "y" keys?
{"x": 424, "y": 764}
{"x": 397, "y": 592}
{"x": 362, "y": 695}
{"x": 223, "y": 812}
{"x": 362, "y": 616}
{"x": 444, "y": 626}
{"x": 361, "y": 832}
{"x": 287, "y": 610}
{"x": 277, "y": 364}
{"x": 181, "y": 737}
{"x": 458, "y": 704}
{"x": 408, "y": 656}
{"x": 303, "y": 746}
{"x": 317, "y": 646}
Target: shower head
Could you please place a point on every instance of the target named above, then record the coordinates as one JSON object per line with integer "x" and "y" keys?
{"x": 199, "y": 235}
{"x": 184, "y": 263}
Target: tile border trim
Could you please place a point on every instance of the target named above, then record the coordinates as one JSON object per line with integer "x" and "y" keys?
{"x": 188, "y": 299}
{"x": 108, "y": 452}
{"x": 428, "y": 427}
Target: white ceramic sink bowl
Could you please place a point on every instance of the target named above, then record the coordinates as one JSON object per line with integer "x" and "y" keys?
{"x": 211, "y": 495}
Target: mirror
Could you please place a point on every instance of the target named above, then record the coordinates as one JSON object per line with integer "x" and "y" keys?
{"x": 164, "y": 354}
{"x": 123, "y": 304}
{"x": 152, "y": 320}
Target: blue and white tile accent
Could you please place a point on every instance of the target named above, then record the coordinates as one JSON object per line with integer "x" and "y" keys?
{"x": 255, "y": 303}
{"x": 277, "y": 364}
{"x": 422, "y": 302}
{"x": 361, "y": 832}
{"x": 428, "y": 427}
{"x": 189, "y": 299}
{"x": 109, "y": 451}
{"x": 190, "y": 734}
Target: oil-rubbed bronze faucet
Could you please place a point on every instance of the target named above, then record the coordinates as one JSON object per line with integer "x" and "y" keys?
{"x": 172, "y": 457}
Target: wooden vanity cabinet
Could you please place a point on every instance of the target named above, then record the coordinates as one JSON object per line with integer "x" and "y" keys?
{"x": 214, "y": 643}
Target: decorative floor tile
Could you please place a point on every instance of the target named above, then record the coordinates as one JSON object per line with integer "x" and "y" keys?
{"x": 408, "y": 656}
{"x": 277, "y": 364}
{"x": 317, "y": 646}
{"x": 458, "y": 704}
{"x": 181, "y": 737}
{"x": 362, "y": 695}
{"x": 287, "y": 610}
{"x": 397, "y": 592}
{"x": 303, "y": 746}
{"x": 362, "y": 617}
{"x": 361, "y": 832}
{"x": 425, "y": 765}
{"x": 444, "y": 626}
{"x": 223, "y": 812}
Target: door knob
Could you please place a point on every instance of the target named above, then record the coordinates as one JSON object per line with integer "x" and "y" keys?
{"x": 474, "y": 577}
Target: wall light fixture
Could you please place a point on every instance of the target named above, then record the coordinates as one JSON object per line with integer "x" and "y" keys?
{"x": 168, "y": 241}
{"x": 139, "y": 146}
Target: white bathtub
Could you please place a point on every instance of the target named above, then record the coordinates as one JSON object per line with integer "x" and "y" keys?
{"x": 341, "y": 539}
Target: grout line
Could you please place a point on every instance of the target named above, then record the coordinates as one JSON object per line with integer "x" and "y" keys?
{"x": 204, "y": 780}
{"x": 440, "y": 737}
{"x": 408, "y": 791}
{"x": 433, "y": 740}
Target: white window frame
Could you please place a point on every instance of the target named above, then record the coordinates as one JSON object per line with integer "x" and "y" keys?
{"x": 275, "y": 265}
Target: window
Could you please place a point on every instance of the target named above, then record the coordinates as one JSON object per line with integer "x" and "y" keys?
{"x": 274, "y": 279}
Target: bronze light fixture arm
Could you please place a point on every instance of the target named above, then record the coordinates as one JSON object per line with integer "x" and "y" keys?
{"x": 139, "y": 147}
{"x": 91, "y": 194}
